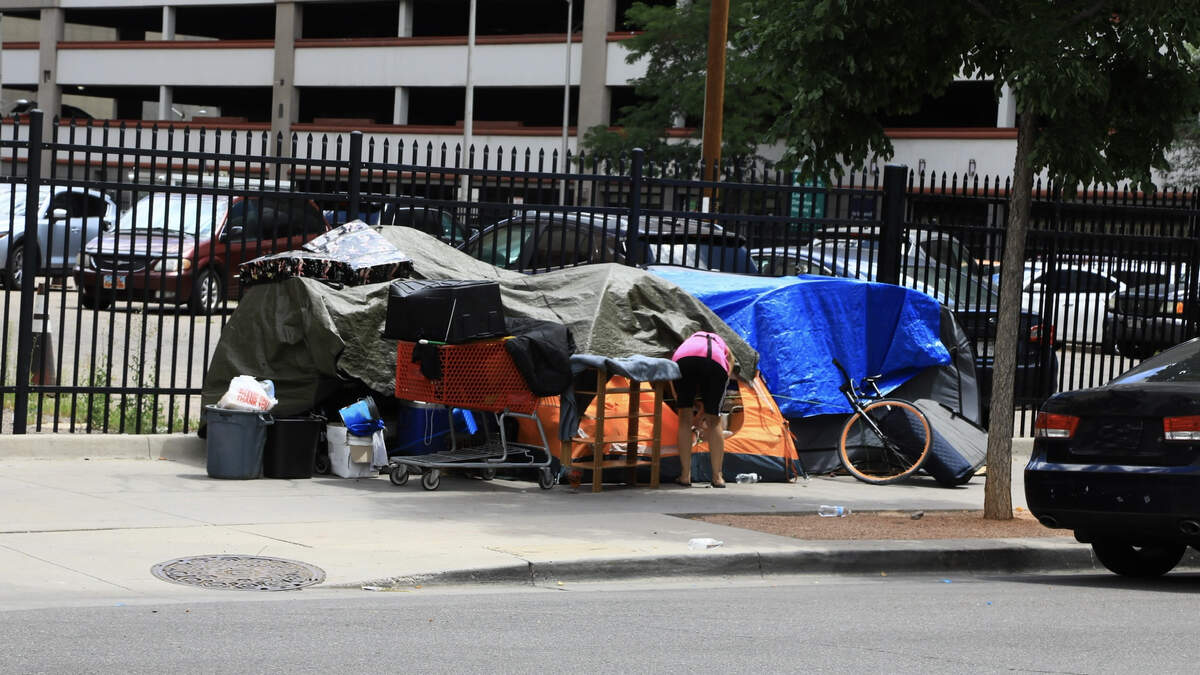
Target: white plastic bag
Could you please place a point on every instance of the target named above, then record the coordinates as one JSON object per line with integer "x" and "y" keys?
{"x": 379, "y": 450}
{"x": 248, "y": 394}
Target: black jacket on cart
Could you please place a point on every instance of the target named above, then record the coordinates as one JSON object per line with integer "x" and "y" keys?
{"x": 541, "y": 351}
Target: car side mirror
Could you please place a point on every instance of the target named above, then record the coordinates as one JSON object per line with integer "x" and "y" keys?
{"x": 107, "y": 225}
{"x": 58, "y": 214}
{"x": 231, "y": 232}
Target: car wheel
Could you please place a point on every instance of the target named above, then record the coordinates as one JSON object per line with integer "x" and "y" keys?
{"x": 12, "y": 270}
{"x": 207, "y": 291}
{"x": 1141, "y": 561}
{"x": 95, "y": 301}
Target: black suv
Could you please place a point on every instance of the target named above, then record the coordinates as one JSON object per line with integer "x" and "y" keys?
{"x": 1149, "y": 317}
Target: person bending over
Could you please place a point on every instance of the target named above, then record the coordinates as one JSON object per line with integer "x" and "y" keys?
{"x": 705, "y": 363}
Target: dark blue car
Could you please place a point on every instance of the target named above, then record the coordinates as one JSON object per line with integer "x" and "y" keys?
{"x": 1120, "y": 464}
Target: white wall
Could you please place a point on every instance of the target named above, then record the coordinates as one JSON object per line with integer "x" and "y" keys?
{"x": 153, "y": 67}
{"x": 435, "y": 66}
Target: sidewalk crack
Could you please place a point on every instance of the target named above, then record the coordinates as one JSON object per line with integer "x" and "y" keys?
{"x": 528, "y": 563}
{"x": 69, "y": 569}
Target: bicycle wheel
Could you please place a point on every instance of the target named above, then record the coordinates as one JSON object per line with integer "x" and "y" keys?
{"x": 888, "y": 441}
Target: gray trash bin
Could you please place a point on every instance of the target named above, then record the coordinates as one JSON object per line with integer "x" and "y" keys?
{"x": 235, "y": 442}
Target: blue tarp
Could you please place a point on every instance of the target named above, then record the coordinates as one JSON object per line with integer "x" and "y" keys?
{"x": 799, "y": 324}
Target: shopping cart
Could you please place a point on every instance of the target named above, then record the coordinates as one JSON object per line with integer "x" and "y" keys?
{"x": 477, "y": 377}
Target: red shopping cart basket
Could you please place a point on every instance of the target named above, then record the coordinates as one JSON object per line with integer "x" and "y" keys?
{"x": 476, "y": 375}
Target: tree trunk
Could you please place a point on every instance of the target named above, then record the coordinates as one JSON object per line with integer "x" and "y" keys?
{"x": 997, "y": 494}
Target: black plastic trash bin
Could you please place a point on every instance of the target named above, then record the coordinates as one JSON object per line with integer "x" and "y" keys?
{"x": 235, "y": 442}
{"x": 292, "y": 447}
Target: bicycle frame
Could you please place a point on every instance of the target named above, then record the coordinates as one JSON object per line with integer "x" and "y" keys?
{"x": 855, "y": 398}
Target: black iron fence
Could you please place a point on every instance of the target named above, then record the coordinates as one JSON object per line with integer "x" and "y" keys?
{"x": 114, "y": 308}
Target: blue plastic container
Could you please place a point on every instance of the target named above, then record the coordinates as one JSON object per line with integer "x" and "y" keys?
{"x": 422, "y": 428}
{"x": 362, "y": 417}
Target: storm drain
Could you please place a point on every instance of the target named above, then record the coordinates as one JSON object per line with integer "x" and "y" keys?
{"x": 239, "y": 573}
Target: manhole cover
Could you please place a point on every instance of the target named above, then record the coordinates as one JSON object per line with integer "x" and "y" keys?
{"x": 239, "y": 573}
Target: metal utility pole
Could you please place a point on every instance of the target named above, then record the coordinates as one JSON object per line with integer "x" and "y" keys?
{"x": 469, "y": 113}
{"x": 714, "y": 92}
{"x": 562, "y": 188}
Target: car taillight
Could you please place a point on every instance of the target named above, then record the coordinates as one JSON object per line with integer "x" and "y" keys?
{"x": 1172, "y": 307}
{"x": 1054, "y": 425}
{"x": 1185, "y": 428}
{"x": 1042, "y": 333}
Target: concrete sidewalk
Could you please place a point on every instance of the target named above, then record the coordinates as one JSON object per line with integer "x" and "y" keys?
{"x": 94, "y": 527}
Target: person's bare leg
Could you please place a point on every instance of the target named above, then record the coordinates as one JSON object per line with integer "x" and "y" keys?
{"x": 684, "y": 440}
{"x": 716, "y": 447}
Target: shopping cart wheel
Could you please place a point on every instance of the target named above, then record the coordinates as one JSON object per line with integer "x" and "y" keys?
{"x": 399, "y": 474}
{"x": 545, "y": 478}
{"x": 487, "y": 474}
{"x": 431, "y": 479}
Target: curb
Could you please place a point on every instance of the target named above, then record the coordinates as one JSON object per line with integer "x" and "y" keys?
{"x": 971, "y": 556}
{"x": 176, "y": 447}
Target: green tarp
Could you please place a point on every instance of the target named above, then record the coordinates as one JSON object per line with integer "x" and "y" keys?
{"x": 310, "y": 339}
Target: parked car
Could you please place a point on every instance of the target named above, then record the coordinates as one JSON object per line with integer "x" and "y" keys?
{"x": 1079, "y": 294}
{"x": 179, "y": 248}
{"x": 66, "y": 110}
{"x": 66, "y": 218}
{"x": 926, "y": 246}
{"x": 974, "y": 304}
{"x": 428, "y": 219}
{"x": 538, "y": 241}
{"x": 1120, "y": 464}
{"x": 1141, "y": 320}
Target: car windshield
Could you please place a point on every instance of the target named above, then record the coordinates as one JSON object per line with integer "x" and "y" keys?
{"x": 1178, "y": 364}
{"x": 185, "y": 214}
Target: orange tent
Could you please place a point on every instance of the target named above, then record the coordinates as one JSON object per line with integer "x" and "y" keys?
{"x": 763, "y": 444}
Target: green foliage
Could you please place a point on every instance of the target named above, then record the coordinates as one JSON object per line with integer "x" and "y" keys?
{"x": 1107, "y": 81}
{"x": 124, "y": 413}
{"x": 111, "y": 413}
{"x": 674, "y": 44}
{"x": 842, "y": 66}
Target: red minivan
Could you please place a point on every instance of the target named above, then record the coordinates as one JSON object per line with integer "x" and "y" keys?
{"x": 186, "y": 248}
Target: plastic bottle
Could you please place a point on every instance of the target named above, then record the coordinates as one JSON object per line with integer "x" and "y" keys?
{"x": 827, "y": 511}
{"x": 701, "y": 543}
{"x": 747, "y": 478}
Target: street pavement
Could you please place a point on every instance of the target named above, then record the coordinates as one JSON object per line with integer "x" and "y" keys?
{"x": 90, "y": 524}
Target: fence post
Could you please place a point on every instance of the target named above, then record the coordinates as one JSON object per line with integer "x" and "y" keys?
{"x": 632, "y": 251}
{"x": 895, "y": 178}
{"x": 30, "y": 260}
{"x": 356, "y": 142}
